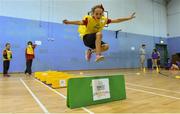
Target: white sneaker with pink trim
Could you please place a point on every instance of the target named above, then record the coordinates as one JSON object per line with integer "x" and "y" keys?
{"x": 99, "y": 58}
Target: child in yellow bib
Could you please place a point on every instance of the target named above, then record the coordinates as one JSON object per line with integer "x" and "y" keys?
{"x": 90, "y": 29}
{"x": 29, "y": 53}
{"x": 7, "y": 56}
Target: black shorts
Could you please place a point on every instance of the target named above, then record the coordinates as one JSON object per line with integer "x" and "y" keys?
{"x": 90, "y": 40}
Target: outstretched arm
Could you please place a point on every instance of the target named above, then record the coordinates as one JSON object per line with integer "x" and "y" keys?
{"x": 123, "y": 19}
{"x": 73, "y": 22}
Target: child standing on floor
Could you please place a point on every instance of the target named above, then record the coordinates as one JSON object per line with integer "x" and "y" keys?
{"x": 29, "y": 53}
{"x": 7, "y": 56}
{"x": 90, "y": 30}
{"x": 142, "y": 53}
{"x": 155, "y": 56}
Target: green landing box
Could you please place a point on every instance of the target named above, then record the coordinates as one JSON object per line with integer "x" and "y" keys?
{"x": 85, "y": 91}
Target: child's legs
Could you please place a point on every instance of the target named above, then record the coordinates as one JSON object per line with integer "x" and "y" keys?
{"x": 104, "y": 47}
{"x": 5, "y": 67}
{"x": 153, "y": 63}
{"x": 8, "y": 64}
{"x": 26, "y": 71}
{"x": 142, "y": 61}
{"x": 26, "y": 67}
{"x": 98, "y": 42}
{"x": 141, "y": 65}
{"x": 159, "y": 63}
{"x": 30, "y": 66}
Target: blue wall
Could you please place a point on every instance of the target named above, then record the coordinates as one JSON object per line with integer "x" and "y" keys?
{"x": 173, "y": 45}
{"x": 66, "y": 50}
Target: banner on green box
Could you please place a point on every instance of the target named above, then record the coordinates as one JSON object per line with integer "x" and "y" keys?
{"x": 100, "y": 89}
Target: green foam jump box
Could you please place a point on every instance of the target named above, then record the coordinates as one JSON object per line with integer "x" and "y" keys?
{"x": 87, "y": 91}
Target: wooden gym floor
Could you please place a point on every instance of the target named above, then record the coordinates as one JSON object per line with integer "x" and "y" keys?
{"x": 147, "y": 92}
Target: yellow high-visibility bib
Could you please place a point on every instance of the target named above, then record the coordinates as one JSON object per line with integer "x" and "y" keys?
{"x": 30, "y": 50}
{"x": 9, "y": 55}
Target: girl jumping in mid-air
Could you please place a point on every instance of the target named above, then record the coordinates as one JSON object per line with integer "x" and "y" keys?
{"x": 90, "y": 30}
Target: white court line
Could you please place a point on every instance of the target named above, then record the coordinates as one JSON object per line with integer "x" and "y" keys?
{"x": 153, "y": 93}
{"x": 35, "y": 98}
{"x": 152, "y": 88}
{"x": 55, "y": 91}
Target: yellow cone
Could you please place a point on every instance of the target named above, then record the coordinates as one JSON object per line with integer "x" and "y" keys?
{"x": 157, "y": 69}
{"x": 144, "y": 70}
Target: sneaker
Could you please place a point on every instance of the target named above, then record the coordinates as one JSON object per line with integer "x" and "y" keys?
{"x": 99, "y": 58}
{"x": 27, "y": 74}
{"x": 6, "y": 75}
{"x": 88, "y": 55}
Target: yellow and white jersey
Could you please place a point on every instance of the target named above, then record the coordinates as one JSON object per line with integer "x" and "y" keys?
{"x": 91, "y": 25}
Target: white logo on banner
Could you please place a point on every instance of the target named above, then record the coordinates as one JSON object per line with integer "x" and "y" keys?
{"x": 62, "y": 83}
{"x": 100, "y": 89}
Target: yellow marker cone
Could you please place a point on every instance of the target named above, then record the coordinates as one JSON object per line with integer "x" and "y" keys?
{"x": 157, "y": 69}
{"x": 144, "y": 70}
